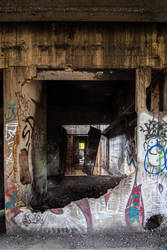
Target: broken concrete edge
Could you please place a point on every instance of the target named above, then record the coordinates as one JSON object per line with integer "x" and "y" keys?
{"x": 76, "y": 217}
{"x": 43, "y": 204}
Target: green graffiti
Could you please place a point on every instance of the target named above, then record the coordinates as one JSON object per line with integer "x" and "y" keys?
{"x": 10, "y": 113}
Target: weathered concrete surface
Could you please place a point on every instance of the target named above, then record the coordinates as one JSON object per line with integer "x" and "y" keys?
{"x": 94, "y": 10}
{"x": 83, "y": 45}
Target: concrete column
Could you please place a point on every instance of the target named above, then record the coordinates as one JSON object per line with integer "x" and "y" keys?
{"x": 39, "y": 143}
{"x": 17, "y": 139}
{"x": 11, "y": 130}
{"x": 143, "y": 80}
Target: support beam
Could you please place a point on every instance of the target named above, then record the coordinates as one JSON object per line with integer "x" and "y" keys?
{"x": 165, "y": 92}
{"x": 143, "y": 80}
{"x": 18, "y": 173}
{"x": 87, "y": 10}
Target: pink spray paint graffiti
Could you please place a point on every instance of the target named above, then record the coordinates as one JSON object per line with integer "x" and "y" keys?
{"x": 85, "y": 208}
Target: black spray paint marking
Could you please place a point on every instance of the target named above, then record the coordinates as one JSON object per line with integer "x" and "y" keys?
{"x": 28, "y": 130}
{"x": 160, "y": 187}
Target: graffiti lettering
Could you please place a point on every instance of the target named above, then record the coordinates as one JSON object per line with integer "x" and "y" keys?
{"x": 9, "y": 135}
{"x": 32, "y": 218}
{"x": 28, "y": 131}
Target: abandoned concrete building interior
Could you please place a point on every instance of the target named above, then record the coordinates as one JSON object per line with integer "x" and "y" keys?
{"x": 83, "y": 117}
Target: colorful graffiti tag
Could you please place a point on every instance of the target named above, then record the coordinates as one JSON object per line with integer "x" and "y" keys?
{"x": 135, "y": 210}
{"x": 10, "y": 113}
{"x": 155, "y": 146}
{"x": 130, "y": 154}
{"x": 106, "y": 197}
{"x": 85, "y": 208}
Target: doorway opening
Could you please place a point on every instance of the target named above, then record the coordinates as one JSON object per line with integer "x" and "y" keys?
{"x": 84, "y": 118}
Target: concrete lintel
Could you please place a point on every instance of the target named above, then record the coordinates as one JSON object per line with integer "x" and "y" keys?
{"x": 90, "y": 75}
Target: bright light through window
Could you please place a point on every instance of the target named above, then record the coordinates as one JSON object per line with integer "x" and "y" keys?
{"x": 81, "y": 145}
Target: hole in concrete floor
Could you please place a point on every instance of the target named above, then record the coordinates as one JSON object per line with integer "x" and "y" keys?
{"x": 154, "y": 221}
{"x": 63, "y": 190}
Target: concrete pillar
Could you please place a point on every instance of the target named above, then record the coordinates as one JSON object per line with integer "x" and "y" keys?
{"x": 39, "y": 142}
{"x": 24, "y": 140}
{"x": 11, "y": 130}
{"x": 143, "y": 80}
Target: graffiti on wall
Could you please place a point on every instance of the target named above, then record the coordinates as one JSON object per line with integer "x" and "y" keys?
{"x": 11, "y": 197}
{"x": 9, "y": 135}
{"x": 10, "y": 114}
{"x": 155, "y": 146}
{"x": 134, "y": 212}
{"x": 27, "y": 134}
{"x": 77, "y": 216}
{"x": 28, "y": 131}
{"x": 10, "y": 203}
{"x": 24, "y": 104}
{"x": 63, "y": 220}
{"x": 107, "y": 197}
{"x": 32, "y": 218}
{"x": 130, "y": 153}
{"x": 85, "y": 208}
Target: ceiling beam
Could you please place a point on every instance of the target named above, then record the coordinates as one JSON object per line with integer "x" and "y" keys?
{"x": 87, "y": 10}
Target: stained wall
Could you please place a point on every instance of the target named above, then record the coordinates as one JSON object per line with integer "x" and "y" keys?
{"x": 83, "y": 45}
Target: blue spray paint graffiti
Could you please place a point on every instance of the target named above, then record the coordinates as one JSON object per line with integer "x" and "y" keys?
{"x": 12, "y": 203}
{"x": 155, "y": 146}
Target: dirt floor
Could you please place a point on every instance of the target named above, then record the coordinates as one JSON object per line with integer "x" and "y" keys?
{"x": 149, "y": 240}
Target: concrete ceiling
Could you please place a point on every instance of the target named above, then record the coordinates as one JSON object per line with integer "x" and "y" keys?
{"x": 83, "y": 10}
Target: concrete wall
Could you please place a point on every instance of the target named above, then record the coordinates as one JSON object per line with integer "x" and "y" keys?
{"x": 122, "y": 159}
